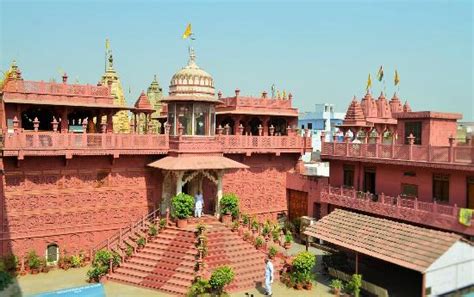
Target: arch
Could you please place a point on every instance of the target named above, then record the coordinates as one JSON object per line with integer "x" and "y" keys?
{"x": 228, "y": 121}
{"x": 254, "y": 123}
{"x": 52, "y": 253}
{"x": 280, "y": 125}
{"x": 44, "y": 115}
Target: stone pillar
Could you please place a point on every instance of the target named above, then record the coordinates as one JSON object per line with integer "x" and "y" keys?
{"x": 64, "y": 121}
{"x": 179, "y": 182}
{"x": 452, "y": 144}
{"x": 220, "y": 175}
{"x": 110, "y": 122}
{"x": 266, "y": 122}
{"x": 411, "y": 141}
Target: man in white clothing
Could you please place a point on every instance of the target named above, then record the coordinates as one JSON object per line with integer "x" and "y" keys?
{"x": 198, "y": 204}
{"x": 268, "y": 276}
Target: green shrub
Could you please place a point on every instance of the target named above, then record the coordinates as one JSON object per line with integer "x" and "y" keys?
{"x": 152, "y": 230}
{"x": 230, "y": 204}
{"x": 276, "y": 234}
{"x": 272, "y": 251}
{"x": 354, "y": 284}
{"x": 5, "y": 279}
{"x": 297, "y": 225}
{"x": 336, "y": 284}
{"x": 259, "y": 242}
{"x": 235, "y": 225}
{"x": 34, "y": 262}
{"x": 162, "y": 223}
{"x": 247, "y": 235}
{"x": 182, "y": 205}
{"x": 77, "y": 261}
{"x": 303, "y": 265}
{"x": 200, "y": 287}
{"x": 221, "y": 277}
{"x": 141, "y": 242}
{"x": 266, "y": 229}
{"x": 102, "y": 258}
{"x": 254, "y": 224}
{"x": 129, "y": 250}
{"x": 288, "y": 238}
{"x": 245, "y": 219}
{"x": 94, "y": 274}
{"x": 9, "y": 263}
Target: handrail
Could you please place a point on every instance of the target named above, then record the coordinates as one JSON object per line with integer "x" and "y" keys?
{"x": 124, "y": 232}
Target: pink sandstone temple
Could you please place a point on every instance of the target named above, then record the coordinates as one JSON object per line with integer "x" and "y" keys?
{"x": 72, "y": 180}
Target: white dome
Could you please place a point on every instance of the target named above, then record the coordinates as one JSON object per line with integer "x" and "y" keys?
{"x": 192, "y": 81}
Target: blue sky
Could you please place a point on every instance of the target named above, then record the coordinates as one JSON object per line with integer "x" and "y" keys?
{"x": 321, "y": 51}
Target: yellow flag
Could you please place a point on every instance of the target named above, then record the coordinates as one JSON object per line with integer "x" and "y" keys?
{"x": 107, "y": 44}
{"x": 188, "y": 32}
{"x": 397, "y": 78}
{"x": 369, "y": 83}
{"x": 465, "y": 216}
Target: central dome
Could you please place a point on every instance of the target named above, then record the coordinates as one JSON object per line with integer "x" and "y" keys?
{"x": 191, "y": 82}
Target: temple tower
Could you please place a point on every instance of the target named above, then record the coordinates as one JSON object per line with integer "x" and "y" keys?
{"x": 120, "y": 119}
{"x": 155, "y": 95}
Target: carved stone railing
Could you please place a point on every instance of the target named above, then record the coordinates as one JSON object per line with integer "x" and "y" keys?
{"x": 431, "y": 214}
{"x": 257, "y": 102}
{"x": 405, "y": 152}
{"x": 53, "y": 88}
{"x": 23, "y": 143}
{"x": 263, "y": 144}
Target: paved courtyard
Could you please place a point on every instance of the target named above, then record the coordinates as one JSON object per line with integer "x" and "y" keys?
{"x": 57, "y": 279}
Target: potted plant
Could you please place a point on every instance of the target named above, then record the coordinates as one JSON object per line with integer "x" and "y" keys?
{"x": 235, "y": 226}
{"x": 141, "y": 241}
{"x": 129, "y": 250}
{"x": 245, "y": 220}
{"x": 272, "y": 251}
{"x": 76, "y": 261}
{"x": 221, "y": 277}
{"x": 199, "y": 288}
{"x": 355, "y": 284}
{"x": 246, "y": 235}
{"x": 288, "y": 240}
{"x": 229, "y": 207}
{"x": 259, "y": 242}
{"x": 266, "y": 230}
{"x": 152, "y": 230}
{"x": 298, "y": 279}
{"x": 337, "y": 286}
{"x": 43, "y": 266}
{"x": 34, "y": 262}
{"x": 254, "y": 226}
{"x": 182, "y": 205}
{"x": 302, "y": 267}
{"x": 162, "y": 223}
{"x": 276, "y": 235}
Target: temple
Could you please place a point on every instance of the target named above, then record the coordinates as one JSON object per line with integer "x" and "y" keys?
{"x": 82, "y": 171}
{"x": 73, "y": 178}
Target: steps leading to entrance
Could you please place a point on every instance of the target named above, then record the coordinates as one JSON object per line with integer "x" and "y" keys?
{"x": 167, "y": 262}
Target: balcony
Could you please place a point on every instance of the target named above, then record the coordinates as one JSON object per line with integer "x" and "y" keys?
{"x": 432, "y": 214}
{"x": 401, "y": 153}
{"x": 30, "y": 143}
{"x": 249, "y": 144}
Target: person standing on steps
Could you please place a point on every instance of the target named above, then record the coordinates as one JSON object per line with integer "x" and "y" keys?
{"x": 198, "y": 204}
{"x": 268, "y": 276}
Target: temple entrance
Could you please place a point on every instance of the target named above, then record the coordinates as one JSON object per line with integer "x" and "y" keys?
{"x": 369, "y": 180}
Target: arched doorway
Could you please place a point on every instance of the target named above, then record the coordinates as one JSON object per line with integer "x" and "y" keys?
{"x": 52, "y": 253}
{"x": 228, "y": 121}
{"x": 254, "y": 123}
{"x": 44, "y": 115}
{"x": 280, "y": 125}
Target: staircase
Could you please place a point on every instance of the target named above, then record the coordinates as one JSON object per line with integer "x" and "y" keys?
{"x": 167, "y": 262}
{"x": 228, "y": 248}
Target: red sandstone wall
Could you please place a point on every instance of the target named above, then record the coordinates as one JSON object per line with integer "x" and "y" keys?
{"x": 434, "y": 131}
{"x": 262, "y": 188}
{"x": 76, "y": 205}
{"x": 390, "y": 177}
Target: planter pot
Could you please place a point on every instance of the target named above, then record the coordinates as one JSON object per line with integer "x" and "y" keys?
{"x": 182, "y": 223}
{"x": 34, "y": 271}
{"x": 299, "y": 286}
{"x": 336, "y": 292}
{"x": 241, "y": 231}
{"x": 287, "y": 245}
{"x": 226, "y": 219}
{"x": 308, "y": 286}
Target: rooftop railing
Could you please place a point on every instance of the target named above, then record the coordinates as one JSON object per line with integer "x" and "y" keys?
{"x": 257, "y": 102}
{"x": 407, "y": 152}
{"x": 432, "y": 214}
{"x": 249, "y": 143}
{"x": 53, "y": 88}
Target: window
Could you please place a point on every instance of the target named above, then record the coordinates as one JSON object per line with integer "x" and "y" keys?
{"x": 415, "y": 129}
{"x": 201, "y": 119}
{"x": 184, "y": 113}
{"x": 410, "y": 190}
{"x": 310, "y": 126}
{"x": 302, "y": 127}
{"x": 441, "y": 187}
{"x": 409, "y": 173}
{"x": 349, "y": 175}
{"x": 52, "y": 253}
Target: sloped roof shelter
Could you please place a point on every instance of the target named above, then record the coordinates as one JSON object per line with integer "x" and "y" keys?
{"x": 433, "y": 253}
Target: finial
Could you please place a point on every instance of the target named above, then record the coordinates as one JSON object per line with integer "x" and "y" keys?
{"x": 354, "y": 98}
{"x": 237, "y": 92}
{"x": 219, "y": 94}
{"x": 192, "y": 56}
{"x": 154, "y": 77}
